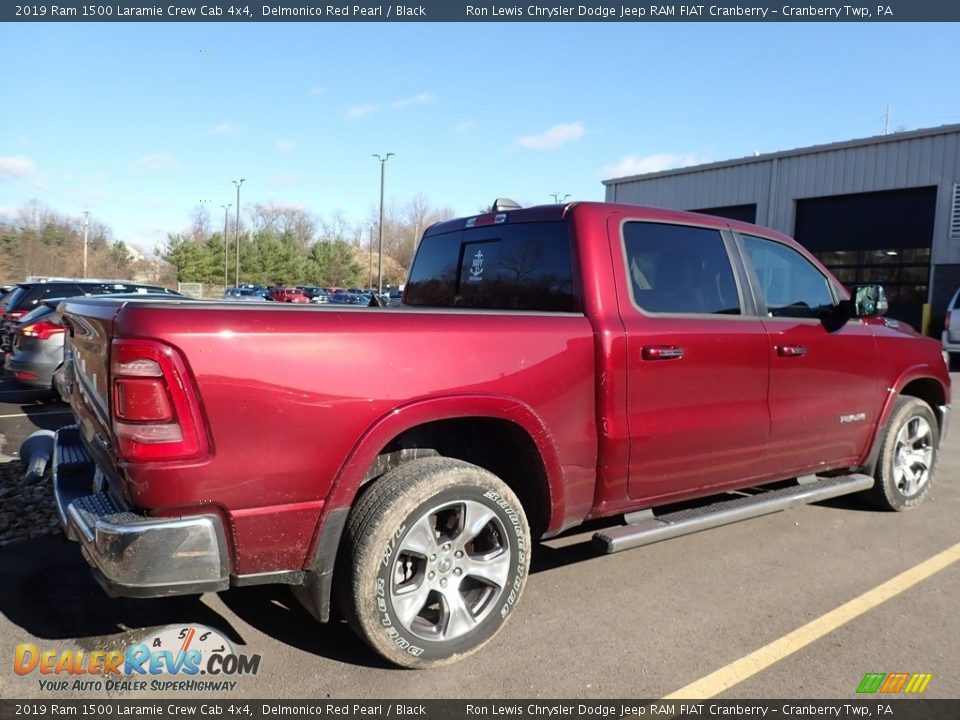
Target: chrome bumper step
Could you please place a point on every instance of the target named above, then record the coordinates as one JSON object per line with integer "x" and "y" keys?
{"x": 648, "y": 528}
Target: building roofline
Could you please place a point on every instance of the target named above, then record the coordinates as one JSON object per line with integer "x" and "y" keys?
{"x": 811, "y": 150}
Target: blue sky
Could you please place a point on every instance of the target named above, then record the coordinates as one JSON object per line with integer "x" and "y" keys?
{"x": 143, "y": 122}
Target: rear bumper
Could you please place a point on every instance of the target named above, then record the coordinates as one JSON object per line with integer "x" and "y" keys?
{"x": 42, "y": 372}
{"x": 133, "y": 555}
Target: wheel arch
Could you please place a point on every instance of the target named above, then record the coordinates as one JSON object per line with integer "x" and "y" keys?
{"x": 919, "y": 382}
{"x": 499, "y": 434}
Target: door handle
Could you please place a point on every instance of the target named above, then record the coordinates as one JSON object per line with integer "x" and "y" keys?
{"x": 662, "y": 352}
{"x": 791, "y": 350}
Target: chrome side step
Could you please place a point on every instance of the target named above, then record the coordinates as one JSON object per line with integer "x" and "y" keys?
{"x": 648, "y": 528}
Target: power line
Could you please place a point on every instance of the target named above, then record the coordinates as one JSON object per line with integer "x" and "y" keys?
{"x": 22, "y": 179}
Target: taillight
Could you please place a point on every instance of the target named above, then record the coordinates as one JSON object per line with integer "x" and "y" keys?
{"x": 15, "y": 315}
{"x": 42, "y": 330}
{"x": 156, "y": 413}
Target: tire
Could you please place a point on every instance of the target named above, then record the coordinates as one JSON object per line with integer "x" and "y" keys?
{"x": 436, "y": 557}
{"x": 908, "y": 456}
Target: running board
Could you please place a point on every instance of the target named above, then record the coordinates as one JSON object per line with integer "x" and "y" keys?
{"x": 648, "y": 528}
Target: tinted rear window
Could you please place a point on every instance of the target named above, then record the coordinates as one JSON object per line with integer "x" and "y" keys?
{"x": 526, "y": 266}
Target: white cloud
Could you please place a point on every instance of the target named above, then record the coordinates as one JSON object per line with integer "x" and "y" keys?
{"x": 636, "y": 165}
{"x": 285, "y": 145}
{"x": 464, "y": 127}
{"x": 420, "y": 99}
{"x": 8, "y": 211}
{"x": 223, "y": 128}
{"x": 360, "y": 111}
{"x": 553, "y": 137}
{"x": 156, "y": 161}
{"x": 19, "y": 165}
{"x": 317, "y": 90}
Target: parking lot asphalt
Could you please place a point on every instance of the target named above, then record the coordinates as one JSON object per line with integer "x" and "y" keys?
{"x": 711, "y": 614}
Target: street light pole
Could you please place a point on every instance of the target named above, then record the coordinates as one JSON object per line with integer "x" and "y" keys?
{"x": 558, "y": 198}
{"x": 383, "y": 170}
{"x": 370, "y": 246}
{"x": 226, "y": 208}
{"x": 237, "y": 277}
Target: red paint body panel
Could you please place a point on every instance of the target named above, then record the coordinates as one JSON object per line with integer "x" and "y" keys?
{"x": 286, "y": 420}
{"x": 297, "y": 402}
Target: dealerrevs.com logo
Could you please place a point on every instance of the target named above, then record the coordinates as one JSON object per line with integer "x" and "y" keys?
{"x": 177, "y": 658}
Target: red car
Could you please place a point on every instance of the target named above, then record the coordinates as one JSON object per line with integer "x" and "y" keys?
{"x": 549, "y": 365}
{"x": 290, "y": 295}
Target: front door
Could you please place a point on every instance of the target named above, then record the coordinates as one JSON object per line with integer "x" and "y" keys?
{"x": 824, "y": 388}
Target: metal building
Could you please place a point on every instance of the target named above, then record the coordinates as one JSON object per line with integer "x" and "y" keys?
{"x": 883, "y": 209}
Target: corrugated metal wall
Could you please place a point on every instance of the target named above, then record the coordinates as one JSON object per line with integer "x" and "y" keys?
{"x": 914, "y": 159}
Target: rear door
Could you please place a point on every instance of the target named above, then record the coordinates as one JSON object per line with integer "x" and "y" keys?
{"x": 697, "y": 361}
{"x": 824, "y": 387}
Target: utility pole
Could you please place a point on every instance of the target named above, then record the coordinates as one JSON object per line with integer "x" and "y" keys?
{"x": 886, "y": 121}
{"x": 383, "y": 170}
{"x": 226, "y": 208}
{"x": 238, "y": 183}
{"x": 86, "y": 233}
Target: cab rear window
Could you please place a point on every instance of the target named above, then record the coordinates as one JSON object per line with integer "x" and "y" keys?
{"x": 526, "y": 266}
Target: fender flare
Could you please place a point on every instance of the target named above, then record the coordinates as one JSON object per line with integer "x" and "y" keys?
{"x": 434, "y": 409}
{"x": 320, "y": 562}
{"x": 914, "y": 372}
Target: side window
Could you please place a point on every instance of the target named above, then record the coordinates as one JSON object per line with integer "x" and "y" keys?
{"x": 791, "y": 285}
{"x": 55, "y": 291}
{"x": 679, "y": 269}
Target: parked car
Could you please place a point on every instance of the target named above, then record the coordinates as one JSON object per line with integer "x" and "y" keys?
{"x": 36, "y": 348}
{"x": 951, "y": 329}
{"x": 550, "y": 365}
{"x": 244, "y": 294}
{"x": 288, "y": 295}
{"x": 28, "y": 295}
{"x": 347, "y": 297}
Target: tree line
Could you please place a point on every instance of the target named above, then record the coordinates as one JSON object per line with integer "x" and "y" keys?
{"x": 37, "y": 241}
{"x": 278, "y": 244}
{"x": 287, "y": 245}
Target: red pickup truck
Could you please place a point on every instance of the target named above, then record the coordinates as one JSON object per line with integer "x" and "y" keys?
{"x": 548, "y": 366}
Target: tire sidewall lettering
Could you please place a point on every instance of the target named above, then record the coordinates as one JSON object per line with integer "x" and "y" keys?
{"x": 394, "y": 632}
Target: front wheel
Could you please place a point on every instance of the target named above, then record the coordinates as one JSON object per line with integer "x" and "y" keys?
{"x": 907, "y": 456}
{"x": 438, "y": 555}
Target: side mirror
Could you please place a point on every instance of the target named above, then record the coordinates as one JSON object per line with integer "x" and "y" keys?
{"x": 868, "y": 301}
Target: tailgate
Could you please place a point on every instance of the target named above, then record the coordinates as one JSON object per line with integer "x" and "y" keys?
{"x": 87, "y": 356}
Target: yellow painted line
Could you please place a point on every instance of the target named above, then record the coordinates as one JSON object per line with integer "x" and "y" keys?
{"x": 749, "y": 665}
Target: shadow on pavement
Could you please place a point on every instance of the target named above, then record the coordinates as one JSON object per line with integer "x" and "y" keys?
{"x": 273, "y": 610}
{"x": 51, "y": 416}
{"x": 49, "y": 591}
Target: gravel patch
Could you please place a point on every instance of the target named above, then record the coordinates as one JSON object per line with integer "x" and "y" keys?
{"x": 27, "y": 511}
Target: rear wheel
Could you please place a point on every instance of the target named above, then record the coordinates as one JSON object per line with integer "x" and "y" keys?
{"x": 438, "y": 556}
{"x": 907, "y": 457}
